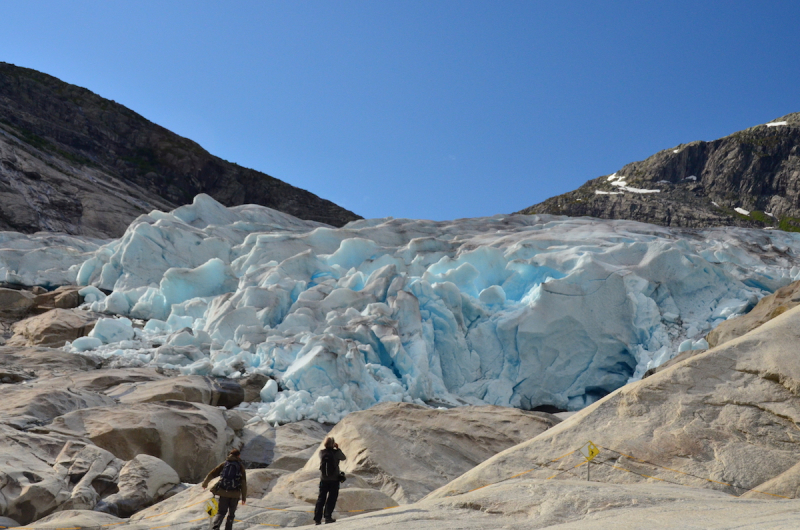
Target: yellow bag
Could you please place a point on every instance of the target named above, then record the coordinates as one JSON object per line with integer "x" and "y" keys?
{"x": 212, "y": 507}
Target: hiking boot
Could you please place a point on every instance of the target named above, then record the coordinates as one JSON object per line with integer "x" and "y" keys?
{"x": 329, "y": 520}
{"x": 317, "y": 522}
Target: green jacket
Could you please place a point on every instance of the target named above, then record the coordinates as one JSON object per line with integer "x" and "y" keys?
{"x": 216, "y": 490}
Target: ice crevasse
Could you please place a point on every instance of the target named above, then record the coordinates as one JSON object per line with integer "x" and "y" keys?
{"x": 510, "y": 310}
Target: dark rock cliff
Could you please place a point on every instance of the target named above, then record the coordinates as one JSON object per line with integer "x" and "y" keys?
{"x": 75, "y": 162}
{"x": 737, "y": 180}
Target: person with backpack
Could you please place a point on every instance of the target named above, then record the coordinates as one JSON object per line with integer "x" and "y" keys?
{"x": 229, "y": 488}
{"x": 330, "y": 478}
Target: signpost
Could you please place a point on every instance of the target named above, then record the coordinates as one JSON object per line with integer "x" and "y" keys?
{"x": 589, "y": 451}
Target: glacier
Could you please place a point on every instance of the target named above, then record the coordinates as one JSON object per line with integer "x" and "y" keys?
{"x": 512, "y": 310}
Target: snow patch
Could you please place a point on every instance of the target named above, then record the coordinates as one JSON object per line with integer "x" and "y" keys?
{"x": 623, "y": 185}
{"x": 741, "y": 211}
{"x": 777, "y": 123}
{"x": 639, "y": 190}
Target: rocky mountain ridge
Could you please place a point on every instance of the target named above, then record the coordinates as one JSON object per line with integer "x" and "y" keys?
{"x": 72, "y": 161}
{"x": 750, "y": 178}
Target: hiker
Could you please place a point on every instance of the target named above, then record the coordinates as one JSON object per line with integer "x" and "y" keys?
{"x": 231, "y": 485}
{"x": 329, "y": 457}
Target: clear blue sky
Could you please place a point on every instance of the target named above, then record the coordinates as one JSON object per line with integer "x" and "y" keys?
{"x": 433, "y": 109}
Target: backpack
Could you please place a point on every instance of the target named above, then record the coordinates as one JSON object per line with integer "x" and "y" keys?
{"x": 231, "y": 476}
{"x": 327, "y": 465}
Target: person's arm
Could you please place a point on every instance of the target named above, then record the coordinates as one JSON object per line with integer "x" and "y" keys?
{"x": 340, "y": 454}
{"x": 214, "y": 473}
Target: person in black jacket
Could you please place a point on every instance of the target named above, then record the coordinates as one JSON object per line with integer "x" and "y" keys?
{"x": 330, "y": 457}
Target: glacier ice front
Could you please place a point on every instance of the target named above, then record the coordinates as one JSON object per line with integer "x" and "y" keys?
{"x": 513, "y": 310}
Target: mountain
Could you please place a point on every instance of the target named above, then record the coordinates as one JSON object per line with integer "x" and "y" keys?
{"x": 750, "y": 178}
{"x": 72, "y": 161}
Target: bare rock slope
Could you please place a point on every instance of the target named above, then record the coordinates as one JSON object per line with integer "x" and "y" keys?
{"x": 725, "y": 419}
{"x": 749, "y": 178}
{"x": 397, "y": 453}
{"x": 408, "y": 450}
{"x": 72, "y": 161}
{"x": 709, "y": 442}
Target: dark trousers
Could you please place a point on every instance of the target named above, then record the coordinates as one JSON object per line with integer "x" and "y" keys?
{"x": 226, "y": 505}
{"x": 328, "y": 493}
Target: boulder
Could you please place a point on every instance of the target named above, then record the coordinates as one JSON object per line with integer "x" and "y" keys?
{"x": 719, "y": 420}
{"x": 82, "y": 468}
{"x": 7, "y": 522}
{"x": 355, "y": 494}
{"x": 286, "y": 447}
{"x": 216, "y": 391}
{"x": 15, "y": 302}
{"x": 767, "y": 308}
{"x": 252, "y": 385}
{"x": 191, "y": 437}
{"x": 407, "y": 450}
{"x": 361, "y": 499}
{"x": 107, "y": 379}
{"x": 29, "y": 487}
{"x": 304, "y": 486}
{"x": 261, "y": 481}
{"x": 76, "y": 459}
{"x": 53, "y": 328}
{"x": 27, "y": 405}
{"x": 235, "y": 420}
{"x": 65, "y": 297}
{"x": 45, "y": 362}
{"x": 143, "y": 481}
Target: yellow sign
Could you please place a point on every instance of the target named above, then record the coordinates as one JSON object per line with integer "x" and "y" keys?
{"x": 212, "y": 507}
{"x": 589, "y": 451}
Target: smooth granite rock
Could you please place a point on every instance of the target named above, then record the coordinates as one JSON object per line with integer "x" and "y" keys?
{"x": 191, "y": 437}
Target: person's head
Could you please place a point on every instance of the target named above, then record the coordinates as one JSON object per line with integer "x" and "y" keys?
{"x": 234, "y": 453}
{"x": 329, "y": 442}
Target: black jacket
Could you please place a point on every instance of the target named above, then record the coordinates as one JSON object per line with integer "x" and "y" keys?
{"x": 331, "y": 470}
